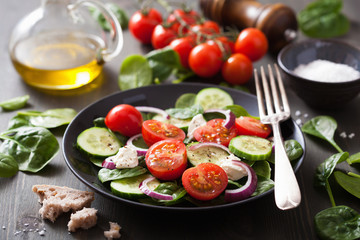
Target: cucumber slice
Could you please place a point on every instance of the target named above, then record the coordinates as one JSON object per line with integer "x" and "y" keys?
{"x": 213, "y": 98}
{"x": 206, "y": 154}
{"x": 250, "y": 147}
{"x": 98, "y": 142}
{"x": 129, "y": 187}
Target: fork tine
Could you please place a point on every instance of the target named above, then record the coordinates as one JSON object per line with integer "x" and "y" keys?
{"x": 274, "y": 91}
{"x": 259, "y": 95}
{"x": 282, "y": 90}
{"x": 266, "y": 88}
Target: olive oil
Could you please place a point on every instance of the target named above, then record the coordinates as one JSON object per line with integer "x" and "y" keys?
{"x": 58, "y": 60}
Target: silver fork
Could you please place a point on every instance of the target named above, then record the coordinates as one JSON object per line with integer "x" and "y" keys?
{"x": 287, "y": 191}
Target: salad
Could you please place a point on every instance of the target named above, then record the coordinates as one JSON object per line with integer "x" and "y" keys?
{"x": 205, "y": 150}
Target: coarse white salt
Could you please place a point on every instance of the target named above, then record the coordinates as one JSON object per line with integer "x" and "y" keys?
{"x": 326, "y": 71}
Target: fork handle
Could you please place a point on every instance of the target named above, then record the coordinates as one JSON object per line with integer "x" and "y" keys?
{"x": 287, "y": 191}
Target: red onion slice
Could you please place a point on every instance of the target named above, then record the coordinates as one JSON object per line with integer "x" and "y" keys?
{"x": 229, "y": 116}
{"x": 146, "y": 190}
{"x": 233, "y": 195}
{"x": 108, "y": 164}
{"x": 140, "y": 151}
{"x": 209, "y": 144}
{"x": 153, "y": 110}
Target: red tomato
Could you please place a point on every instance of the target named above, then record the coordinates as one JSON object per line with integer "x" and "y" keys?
{"x": 166, "y": 159}
{"x": 207, "y": 27}
{"x": 162, "y": 36}
{"x": 237, "y": 69}
{"x": 205, "y": 60}
{"x": 189, "y": 17}
{"x": 214, "y": 131}
{"x": 125, "y": 119}
{"x": 252, "y": 42}
{"x": 183, "y": 47}
{"x": 142, "y": 24}
{"x": 227, "y": 44}
{"x": 204, "y": 182}
{"x": 154, "y": 131}
{"x": 251, "y": 126}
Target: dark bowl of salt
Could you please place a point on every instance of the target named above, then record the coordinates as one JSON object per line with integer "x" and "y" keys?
{"x": 324, "y": 73}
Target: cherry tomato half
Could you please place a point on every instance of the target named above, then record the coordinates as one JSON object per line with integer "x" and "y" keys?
{"x": 205, "y": 60}
{"x": 154, "y": 131}
{"x": 162, "y": 36}
{"x": 204, "y": 182}
{"x": 237, "y": 69}
{"x": 252, "y": 42}
{"x": 142, "y": 24}
{"x": 166, "y": 159}
{"x": 251, "y": 126}
{"x": 125, "y": 119}
{"x": 183, "y": 47}
{"x": 214, "y": 131}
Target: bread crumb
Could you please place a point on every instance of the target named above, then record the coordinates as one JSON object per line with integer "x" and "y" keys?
{"x": 57, "y": 200}
{"x": 85, "y": 219}
{"x": 114, "y": 231}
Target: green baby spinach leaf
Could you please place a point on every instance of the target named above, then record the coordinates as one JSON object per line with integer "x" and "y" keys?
{"x": 263, "y": 185}
{"x": 14, "y": 103}
{"x": 323, "y": 19}
{"x": 52, "y": 118}
{"x": 8, "y": 166}
{"x": 135, "y": 72}
{"x": 185, "y": 113}
{"x": 293, "y": 150}
{"x": 338, "y": 223}
{"x": 105, "y": 174}
{"x": 119, "y": 13}
{"x": 239, "y": 111}
{"x": 32, "y": 147}
{"x": 349, "y": 183}
{"x": 185, "y": 100}
{"x": 262, "y": 168}
{"x": 323, "y": 127}
{"x": 355, "y": 158}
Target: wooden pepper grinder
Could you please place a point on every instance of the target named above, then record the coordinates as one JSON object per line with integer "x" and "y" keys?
{"x": 277, "y": 21}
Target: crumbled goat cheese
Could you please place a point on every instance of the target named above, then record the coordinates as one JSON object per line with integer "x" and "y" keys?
{"x": 126, "y": 157}
{"x": 195, "y": 123}
{"x": 234, "y": 172}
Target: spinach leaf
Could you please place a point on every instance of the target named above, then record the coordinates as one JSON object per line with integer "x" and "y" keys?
{"x": 52, "y": 118}
{"x": 99, "y": 122}
{"x": 338, "y": 223}
{"x": 96, "y": 161}
{"x": 262, "y": 168}
{"x": 135, "y": 72}
{"x": 325, "y": 169}
{"x": 323, "y": 19}
{"x": 164, "y": 62}
{"x": 349, "y": 183}
{"x": 32, "y": 147}
{"x": 119, "y": 13}
{"x": 185, "y": 100}
{"x": 355, "y": 158}
{"x": 293, "y": 150}
{"x": 239, "y": 111}
{"x": 170, "y": 188}
{"x": 115, "y": 174}
{"x": 323, "y": 127}
{"x": 263, "y": 185}
{"x": 14, "y": 103}
{"x": 185, "y": 113}
{"x": 8, "y": 166}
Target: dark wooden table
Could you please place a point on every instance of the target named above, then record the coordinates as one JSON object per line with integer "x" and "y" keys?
{"x": 256, "y": 220}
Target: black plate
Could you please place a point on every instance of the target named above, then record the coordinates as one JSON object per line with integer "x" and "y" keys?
{"x": 161, "y": 96}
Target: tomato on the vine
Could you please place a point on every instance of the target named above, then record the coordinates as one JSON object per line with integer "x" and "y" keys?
{"x": 207, "y": 27}
{"x": 143, "y": 22}
{"x": 190, "y": 17}
{"x": 162, "y": 36}
{"x": 204, "y": 182}
{"x": 228, "y": 45}
{"x": 205, "y": 60}
{"x": 125, "y": 119}
{"x": 154, "y": 131}
{"x": 166, "y": 159}
{"x": 252, "y": 42}
{"x": 183, "y": 47}
{"x": 251, "y": 126}
{"x": 237, "y": 69}
{"x": 214, "y": 131}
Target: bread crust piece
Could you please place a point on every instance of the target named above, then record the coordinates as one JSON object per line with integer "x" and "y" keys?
{"x": 114, "y": 231}
{"x": 57, "y": 200}
{"x": 85, "y": 219}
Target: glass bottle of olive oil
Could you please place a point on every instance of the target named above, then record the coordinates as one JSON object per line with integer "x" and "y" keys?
{"x": 55, "y": 48}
